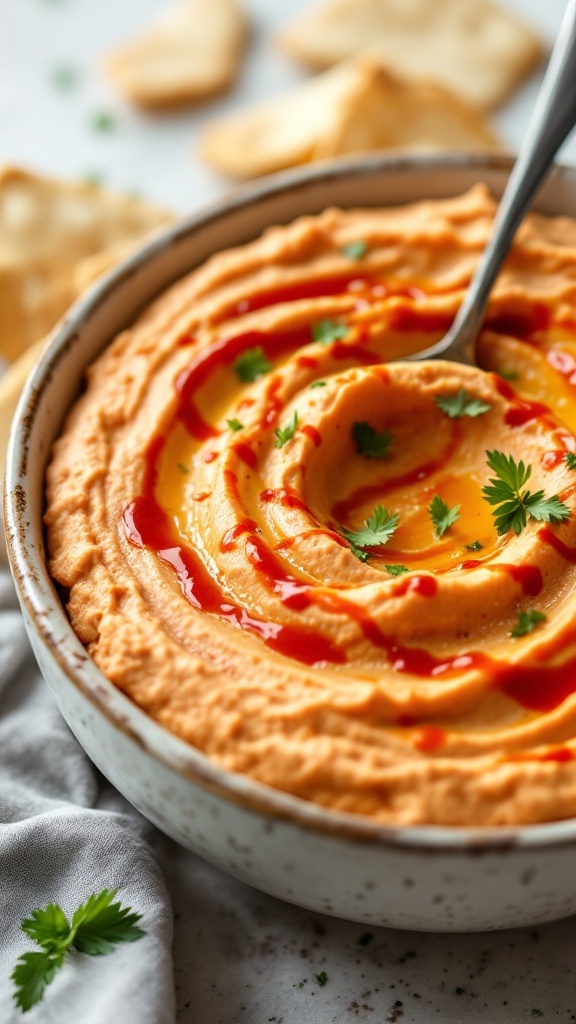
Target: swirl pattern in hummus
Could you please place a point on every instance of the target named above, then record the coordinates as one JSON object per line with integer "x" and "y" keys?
{"x": 204, "y": 551}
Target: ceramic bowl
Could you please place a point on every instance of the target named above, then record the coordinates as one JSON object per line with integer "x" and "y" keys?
{"x": 437, "y": 879}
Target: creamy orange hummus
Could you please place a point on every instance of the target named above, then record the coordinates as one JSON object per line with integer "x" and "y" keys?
{"x": 203, "y": 492}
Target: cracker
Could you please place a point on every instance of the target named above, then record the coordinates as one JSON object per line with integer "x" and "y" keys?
{"x": 193, "y": 50}
{"x": 384, "y": 112}
{"x": 471, "y": 47}
{"x": 47, "y": 228}
{"x": 353, "y": 107}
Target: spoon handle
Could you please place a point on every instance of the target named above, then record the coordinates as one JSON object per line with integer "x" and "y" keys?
{"x": 553, "y": 117}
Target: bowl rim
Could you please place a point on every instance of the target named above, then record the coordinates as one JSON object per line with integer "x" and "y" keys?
{"x": 38, "y": 595}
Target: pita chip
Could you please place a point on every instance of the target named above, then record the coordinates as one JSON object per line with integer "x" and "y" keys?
{"x": 475, "y": 49}
{"x": 47, "y": 229}
{"x": 354, "y": 107}
{"x": 193, "y": 50}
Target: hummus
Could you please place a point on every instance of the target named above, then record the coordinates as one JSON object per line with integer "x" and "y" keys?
{"x": 208, "y": 502}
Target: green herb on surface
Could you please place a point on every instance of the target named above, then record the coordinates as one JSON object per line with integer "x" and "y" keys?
{"x": 103, "y": 121}
{"x": 94, "y": 178}
{"x": 321, "y": 978}
{"x": 441, "y": 515}
{"x": 65, "y": 77}
{"x": 527, "y": 622}
{"x": 508, "y": 374}
{"x": 285, "y": 434}
{"x": 537, "y": 1013}
{"x": 513, "y": 505}
{"x": 570, "y": 460}
{"x": 183, "y": 468}
{"x": 369, "y": 442}
{"x": 252, "y": 364}
{"x": 377, "y": 530}
{"x": 327, "y": 331}
{"x": 459, "y": 991}
{"x": 461, "y": 404}
{"x": 318, "y": 384}
{"x": 97, "y": 926}
{"x": 474, "y": 546}
{"x": 235, "y": 424}
{"x": 354, "y": 250}
{"x": 396, "y": 570}
{"x": 365, "y": 939}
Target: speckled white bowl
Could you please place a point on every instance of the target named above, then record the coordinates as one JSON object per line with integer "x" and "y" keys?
{"x": 437, "y": 879}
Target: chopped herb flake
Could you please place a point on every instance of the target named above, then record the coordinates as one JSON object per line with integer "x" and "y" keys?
{"x": 327, "y": 331}
{"x": 183, "y": 468}
{"x": 396, "y": 570}
{"x": 474, "y": 546}
{"x": 318, "y": 384}
{"x": 64, "y": 77}
{"x": 377, "y": 530}
{"x": 441, "y": 515}
{"x": 369, "y": 443}
{"x": 527, "y": 622}
{"x": 354, "y": 250}
{"x": 285, "y": 434}
{"x": 103, "y": 121}
{"x": 94, "y": 178}
{"x": 321, "y": 978}
{"x": 461, "y": 404}
{"x": 508, "y": 374}
{"x": 235, "y": 424}
{"x": 570, "y": 459}
{"x": 252, "y": 364}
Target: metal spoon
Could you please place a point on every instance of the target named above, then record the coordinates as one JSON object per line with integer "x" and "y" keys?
{"x": 553, "y": 118}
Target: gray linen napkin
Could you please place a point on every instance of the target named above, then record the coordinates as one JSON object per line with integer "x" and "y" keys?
{"x": 65, "y": 833}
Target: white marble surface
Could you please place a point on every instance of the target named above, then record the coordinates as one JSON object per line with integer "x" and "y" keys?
{"x": 241, "y": 956}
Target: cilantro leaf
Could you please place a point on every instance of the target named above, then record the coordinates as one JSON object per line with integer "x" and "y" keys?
{"x": 361, "y": 555}
{"x": 513, "y": 504}
{"x": 252, "y": 364}
{"x": 326, "y": 331}
{"x": 461, "y": 404}
{"x": 99, "y": 924}
{"x": 570, "y": 460}
{"x": 396, "y": 570}
{"x": 377, "y": 530}
{"x": 321, "y": 978}
{"x": 527, "y": 621}
{"x": 441, "y": 515}
{"x": 235, "y": 424}
{"x": 318, "y": 384}
{"x": 369, "y": 443}
{"x": 48, "y": 927}
{"x": 285, "y": 434}
{"x": 354, "y": 250}
{"x": 474, "y": 546}
{"x": 33, "y": 972}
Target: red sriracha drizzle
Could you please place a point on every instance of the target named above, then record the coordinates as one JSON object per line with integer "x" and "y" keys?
{"x": 146, "y": 524}
{"x": 536, "y": 687}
